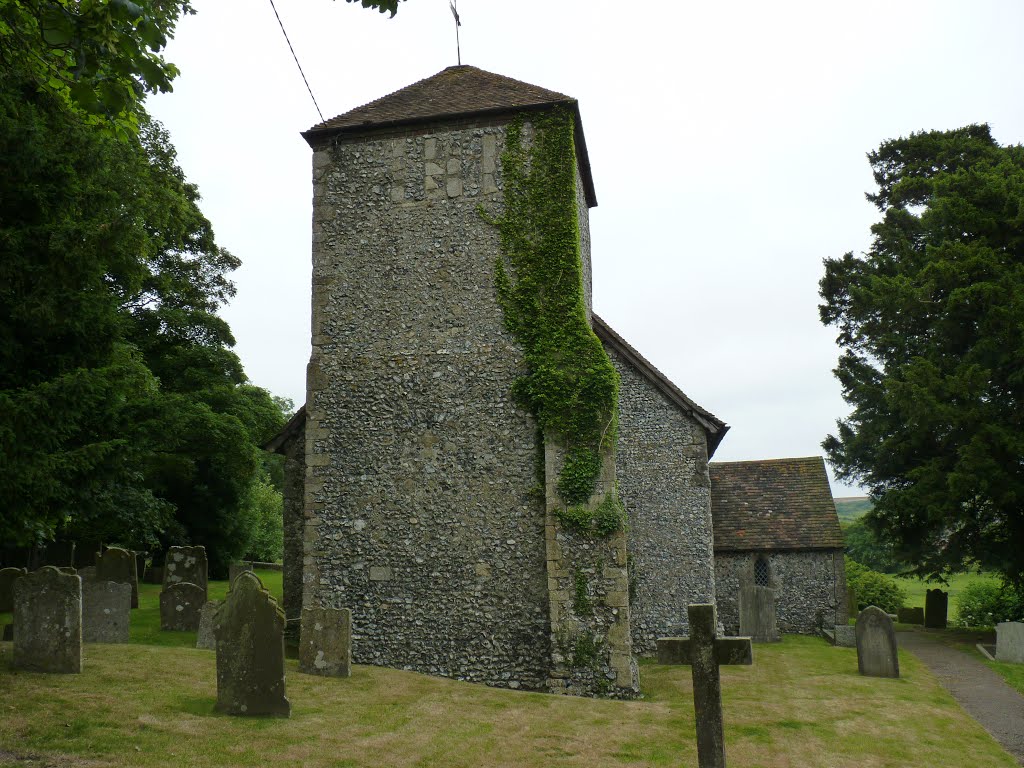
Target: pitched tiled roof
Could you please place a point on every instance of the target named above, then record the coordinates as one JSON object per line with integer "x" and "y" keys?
{"x": 773, "y": 504}
{"x": 713, "y": 426}
{"x": 455, "y": 93}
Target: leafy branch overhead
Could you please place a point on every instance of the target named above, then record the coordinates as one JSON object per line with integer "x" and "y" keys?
{"x": 931, "y": 322}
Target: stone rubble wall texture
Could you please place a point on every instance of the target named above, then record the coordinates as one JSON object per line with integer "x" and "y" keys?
{"x": 662, "y": 470}
{"x": 422, "y": 514}
{"x": 810, "y": 588}
{"x": 294, "y": 521}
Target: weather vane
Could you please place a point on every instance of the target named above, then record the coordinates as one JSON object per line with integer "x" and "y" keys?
{"x": 458, "y": 23}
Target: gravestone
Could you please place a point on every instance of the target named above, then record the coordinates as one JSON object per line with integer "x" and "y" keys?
{"x": 7, "y": 579}
{"x": 757, "y": 614}
{"x": 48, "y": 622}
{"x": 106, "y": 611}
{"x": 186, "y": 564}
{"x": 910, "y": 615}
{"x": 140, "y": 566}
{"x": 325, "y": 645}
{"x": 250, "y": 651}
{"x": 180, "y": 606}
{"x": 236, "y": 568}
{"x": 846, "y": 636}
{"x": 1010, "y": 641}
{"x": 207, "y": 617}
{"x": 116, "y": 564}
{"x": 876, "y": 644}
{"x": 88, "y": 573}
{"x": 936, "y": 604}
{"x": 705, "y": 653}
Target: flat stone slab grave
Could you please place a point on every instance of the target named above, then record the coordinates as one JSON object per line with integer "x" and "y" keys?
{"x": 1010, "y": 641}
{"x": 325, "y": 645}
{"x": 249, "y": 628}
{"x": 180, "y": 606}
{"x": 705, "y": 652}
{"x": 106, "y": 611}
{"x": 876, "y": 644}
{"x": 48, "y": 622}
{"x": 186, "y": 564}
{"x": 120, "y": 565}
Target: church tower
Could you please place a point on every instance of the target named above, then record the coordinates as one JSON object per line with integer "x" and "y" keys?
{"x": 432, "y": 502}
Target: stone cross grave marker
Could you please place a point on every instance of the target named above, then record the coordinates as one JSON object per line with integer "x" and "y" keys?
{"x": 106, "y": 608}
{"x": 186, "y": 564}
{"x": 116, "y": 564}
{"x": 7, "y": 579}
{"x": 757, "y": 614}
{"x": 249, "y": 628}
{"x": 705, "y": 653}
{"x": 180, "y": 606}
{"x": 936, "y": 605}
{"x": 48, "y": 621}
{"x": 325, "y": 647}
{"x": 876, "y": 644}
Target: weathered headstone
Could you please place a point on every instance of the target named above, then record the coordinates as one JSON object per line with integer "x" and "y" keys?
{"x": 325, "y": 645}
{"x": 140, "y": 566}
{"x": 705, "y": 653}
{"x": 116, "y": 564}
{"x": 846, "y": 636}
{"x": 88, "y": 573}
{"x": 180, "y": 607}
{"x": 757, "y": 614}
{"x": 186, "y": 564}
{"x": 106, "y": 611}
{"x": 236, "y": 568}
{"x": 1010, "y": 641}
{"x": 250, "y": 651}
{"x": 936, "y": 605}
{"x": 7, "y": 579}
{"x": 910, "y": 615}
{"x": 48, "y": 622}
{"x": 876, "y": 644}
{"x": 205, "y": 638}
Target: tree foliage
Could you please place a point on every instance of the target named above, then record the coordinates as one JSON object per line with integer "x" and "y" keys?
{"x": 931, "y": 322}
{"x": 864, "y": 546}
{"x": 384, "y": 6}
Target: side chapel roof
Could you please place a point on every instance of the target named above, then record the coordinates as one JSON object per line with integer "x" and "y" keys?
{"x": 773, "y": 504}
{"x": 713, "y": 426}
{"x": 460, "y": 92}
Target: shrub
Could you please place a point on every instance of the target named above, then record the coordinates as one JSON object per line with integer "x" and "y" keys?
{"x": 873, "y": 588}
{"x": 986, "y": 603}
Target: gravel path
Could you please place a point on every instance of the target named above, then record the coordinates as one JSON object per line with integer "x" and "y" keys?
{"x": 979, "y": 690}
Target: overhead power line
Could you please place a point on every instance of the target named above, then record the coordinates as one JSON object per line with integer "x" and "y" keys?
{"x": 290, "y": 48}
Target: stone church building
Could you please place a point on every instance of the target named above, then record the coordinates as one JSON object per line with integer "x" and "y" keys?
{"x": 420, "y": 494}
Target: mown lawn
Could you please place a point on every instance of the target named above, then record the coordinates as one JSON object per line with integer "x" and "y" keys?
{"x": 916, "y": 588}
{"x": 801, "y": 703}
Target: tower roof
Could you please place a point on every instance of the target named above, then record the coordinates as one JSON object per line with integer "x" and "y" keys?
{"x": 455, "y": 93}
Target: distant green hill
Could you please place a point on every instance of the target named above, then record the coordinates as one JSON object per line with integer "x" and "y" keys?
{"x": 850, "y": 508}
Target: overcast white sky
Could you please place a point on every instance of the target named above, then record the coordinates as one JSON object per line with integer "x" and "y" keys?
{"x": 727, "y": 142}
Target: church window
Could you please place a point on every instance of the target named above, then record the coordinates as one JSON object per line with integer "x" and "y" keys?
{"x": 762, "y": 572}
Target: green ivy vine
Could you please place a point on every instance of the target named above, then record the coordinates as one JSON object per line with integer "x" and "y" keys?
{"x": 570, "y": 386}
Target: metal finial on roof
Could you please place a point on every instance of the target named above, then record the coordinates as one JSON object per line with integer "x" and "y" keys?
{"x": 458, "y": 23}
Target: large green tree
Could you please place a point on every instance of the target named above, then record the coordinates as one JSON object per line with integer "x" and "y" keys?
{"x": 931, "y": 322}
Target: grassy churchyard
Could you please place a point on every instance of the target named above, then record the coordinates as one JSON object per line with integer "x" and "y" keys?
{"x": 150, "y": 703}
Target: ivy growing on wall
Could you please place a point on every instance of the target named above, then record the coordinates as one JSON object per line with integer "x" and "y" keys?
{"x": 570, "y": 386}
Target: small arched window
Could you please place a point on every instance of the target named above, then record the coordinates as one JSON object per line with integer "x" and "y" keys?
{"x": 762, "y": 572}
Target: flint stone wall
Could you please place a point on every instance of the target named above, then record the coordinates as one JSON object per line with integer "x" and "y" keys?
{"x": 810, "y": 588}
{"x": 422, "y": 511}
{"x": 662, "y": 469}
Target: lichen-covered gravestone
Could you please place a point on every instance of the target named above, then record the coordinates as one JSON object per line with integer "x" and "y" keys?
{"x": 7, "y": 579}
{"x": 325, "y": 647}
{"x": 116, "y": 564}
{"x": 876, "y": 644}
{"x": 106, "y": 611}
{"x": 186, "y": 564}
{"x": 207, "y": 617}
{"x": 250, "y": 651}
{"x": 1010, "y": 642}
{"x": 757, "y": 614}
{"x": 180, "y": 607}
{"x": 48, "y": 622}
{"x": 936, "y": 606}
